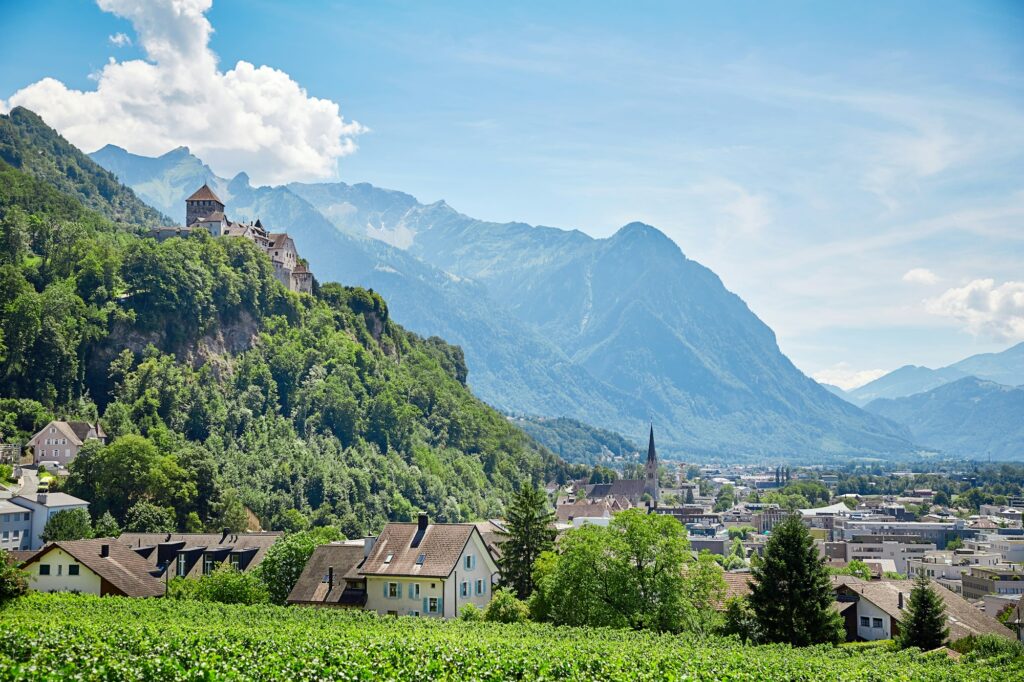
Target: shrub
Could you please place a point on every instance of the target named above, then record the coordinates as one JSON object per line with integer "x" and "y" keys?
{"x": 505, "y": 608}
{"x": 226, "y": 585}
{"x": 470, "y": 612}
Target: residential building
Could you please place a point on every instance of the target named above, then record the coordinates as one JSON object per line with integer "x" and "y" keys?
{"x": 41, "y": 507}
{"x": 102, "y": 567}
{"x": 191, "y": 555}
{"x": 938, "y": 533}
{"x": 15, "y": 526}
{"x": 874, "y": 609}
{"x": 425, "y": 569}
{"x": 331, "y": 576}
{"x": 58, "y": 443}
{"x": 866, "y": 548}
{"x": 982, "y": 580}
{"x": 947, "y": 567}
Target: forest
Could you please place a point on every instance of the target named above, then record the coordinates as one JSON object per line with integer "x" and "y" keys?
{"x": 218, "y": 387}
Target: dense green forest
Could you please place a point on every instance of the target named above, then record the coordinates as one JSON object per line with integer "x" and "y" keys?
{"x": 219, "y": 387}
{"x": 575, "y": 441}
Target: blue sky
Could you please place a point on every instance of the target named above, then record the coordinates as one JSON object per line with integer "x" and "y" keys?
{"x": 854, "y": 171}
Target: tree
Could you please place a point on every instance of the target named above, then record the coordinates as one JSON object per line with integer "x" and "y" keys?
{"x": 791, "y": 593}
{"x": 505, "y": 608}
{"x": 689, "y": 495}
{"x": 233, "y": 515}
{"x": 106, "y": 526}
{"x": 226, "y": 585}
{"x": 286, "y": 558}
{"x": 636, "y": 572}
{"x": 12, "y": 579}
{"x": 740, "y": 620}
{"x": 471, "y": 613}
{"x": 146, "y": 517}
{"x": 530, "y": 532}
{"x": 726, "y": 498}
{"x": 924, "y": 625}
{"x": 70, "y": 524}
{"x": 955, "y": 543}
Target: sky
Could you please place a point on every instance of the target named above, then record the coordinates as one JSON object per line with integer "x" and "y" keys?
{"x": 853, "y": 171}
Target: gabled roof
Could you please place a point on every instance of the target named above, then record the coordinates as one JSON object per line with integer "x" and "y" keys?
{"x": 441, "y": 546}
{"x": 74, "y": 431}
{"x": 204, "y": 193}
{"x": 125, "y": 571}
{"x": 279, "y": 239}
{"x": 312, "y": 588}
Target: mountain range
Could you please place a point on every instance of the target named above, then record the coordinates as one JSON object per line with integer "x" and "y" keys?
{"x": 616, "y": 332}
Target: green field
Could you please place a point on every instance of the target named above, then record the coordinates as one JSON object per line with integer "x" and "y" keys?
{"x": 88, "y": 638}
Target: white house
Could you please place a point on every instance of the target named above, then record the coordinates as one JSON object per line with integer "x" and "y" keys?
{"x": 42, "y": 506}
{"x": 425, "y": 569}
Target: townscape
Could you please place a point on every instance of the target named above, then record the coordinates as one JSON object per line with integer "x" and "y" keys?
{"x": 283, "y": 427}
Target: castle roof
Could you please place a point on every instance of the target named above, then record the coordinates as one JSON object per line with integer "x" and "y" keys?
{"x": 204, "y": 193}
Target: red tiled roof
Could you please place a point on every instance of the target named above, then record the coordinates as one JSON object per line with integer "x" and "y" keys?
{"x": 204, "y": 193}
{"x": 441, "y": 545}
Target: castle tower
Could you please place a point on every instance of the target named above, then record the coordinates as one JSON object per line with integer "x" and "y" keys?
{"x": 203, "y": 204}
{"x": 651, "y": 470}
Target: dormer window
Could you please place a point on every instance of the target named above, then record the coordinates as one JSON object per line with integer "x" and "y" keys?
{"x": 388, "y": 558}
{"x": 420, "y": 559}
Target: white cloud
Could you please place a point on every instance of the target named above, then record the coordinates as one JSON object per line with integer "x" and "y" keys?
{"x": 747, "y": 212}
{"x": 984, "y": 308}
{"x": 920, "y": 276}
{"x": 120, "y": 40}
{"x": 846, "y": 377}
{"x": 248, "y": 118}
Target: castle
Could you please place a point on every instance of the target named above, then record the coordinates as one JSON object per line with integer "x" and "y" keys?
{"x": 204, "y": 209}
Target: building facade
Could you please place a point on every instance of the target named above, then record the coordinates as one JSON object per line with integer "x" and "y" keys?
{"x": 58, "y": 443}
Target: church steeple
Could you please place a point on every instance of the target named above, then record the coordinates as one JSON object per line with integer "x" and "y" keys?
{"x": 651, "y": 469}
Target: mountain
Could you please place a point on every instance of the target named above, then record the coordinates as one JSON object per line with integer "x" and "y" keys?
{"x": 574, "y": 441}
{"x": 614, "y": 332}
{"x": 968, "y": 417}
{"x": 219, "y": 389}
{"x": 1006, "y": 367}
{"x": 834, "y": 390}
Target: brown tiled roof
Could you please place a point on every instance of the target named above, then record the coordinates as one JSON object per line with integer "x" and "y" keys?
{"x": 441, "y": 545}
{"x": 204, "y": 193}
{"x": 125, "y": 571}
{"x": 962, "y": 618}
{"x": 493, "y": 533}
{"x": 278, "y": 239}
{"x": 565, "y": 512}
{"x": 221, "y": 543}
{"x": 629, "y": 487}
{"x": 81, "y": 429}
{"x": 736, "y": 584}
{"x": 313, "y": 587}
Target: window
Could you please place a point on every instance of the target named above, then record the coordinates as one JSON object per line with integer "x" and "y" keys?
{"x": 876, "y": 622}
{"x": 235, "y": 561}
{"x": 433, "y": 605}
{"x": 60, "y": 569}
{"x": 7, "y": 535}
{"x": 414, "y": 591}
{"x": 465, "y": 589}
{"x": 393, "y": 591}
{"x": 481, "y": 586}
{"x": 73, "y": 569}
{"x": 44, "y": 569}
{"x": 420, "y": 559}
{"x": 865, "y": 622}
{"x": 209, "y": 564}
{"x": 16, "y": 534}
{"x": 470, "y": 562}
{"x": 182, "y": 567}
{"x": 388, "y": 558}
{"x": 414, "y": 613}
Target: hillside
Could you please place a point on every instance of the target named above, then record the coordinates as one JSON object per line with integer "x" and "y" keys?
{"x": 44, "y": 636}
{"x": 219, "y": 385}
{"x": 613, "y": 332}
{"x": 966, "y": 418}
{"x": 574, "y": 441}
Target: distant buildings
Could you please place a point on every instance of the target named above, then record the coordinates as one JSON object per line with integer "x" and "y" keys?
{"x": 1004, "y": 580}
{"x": 23, "y": 517}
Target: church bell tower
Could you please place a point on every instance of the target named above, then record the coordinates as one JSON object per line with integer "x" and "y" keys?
{"x": 651, "y": 470}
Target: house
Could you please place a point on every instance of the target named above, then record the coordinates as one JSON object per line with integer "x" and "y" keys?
{"x": 41, "y": 506}
{"x": 331, "y": 576}
{"x": 191, "y": 555}
{"x": 425, "y": 569}
{"x": 101, "y": 566}
{"x": 58, "y": 443}
{"x": 874, "y": 609}
{"x": 875, "y": 548}
{"x": 15, "y": 526}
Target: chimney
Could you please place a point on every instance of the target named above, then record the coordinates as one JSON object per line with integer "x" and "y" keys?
{"x": 900, "y": 606}
{"x": 104, "y": 550}
{"x": 330, "y": 577}
{"x": 421, "y": 522}
{"x": 41, "y": 498}
{"x": 227, "y": 532}
{"x": 368, "y": 545}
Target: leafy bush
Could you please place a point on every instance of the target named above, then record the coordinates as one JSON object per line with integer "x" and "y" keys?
{"x": 504, "y": 607}
{"x": 470, "y": 612}
{"x": 226, "y": 585}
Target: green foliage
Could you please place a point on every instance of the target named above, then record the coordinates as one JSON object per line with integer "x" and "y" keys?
{"x": 106, "y": 526}
{"x": 504, "y": 607}
{"x": 791, "y": 593}
{"x": 924, "y": 625}
{"x": 471, "y": 613}
{"x": 146, "y": 517}
{"x": 69, "y": 524}
{"x": 574, "y": 441}
{"x": 856, "y": 568}
{"x": 741, "y": 621}
{"x": 637, "y": 572}
{"x": 286, "y": 558}
{"x": 726, "y": 498}
{"x": 991, "y": 649}
{"x": 44, "y": 636}
{"x": 741, "y": 532}
{"x": 13, "y": 581}
{"x": 226, "y": 585}
{"x": 531, "y": 531}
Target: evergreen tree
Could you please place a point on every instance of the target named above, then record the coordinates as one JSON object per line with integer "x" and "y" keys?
{"x": 791, "y": 593}
{"x": 530, "y": 532}
{"x": 924, "y": 626}
{"x": 689, "y": 496}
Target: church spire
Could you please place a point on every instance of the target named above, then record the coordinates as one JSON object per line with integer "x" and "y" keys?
{"x": 651, "y": 470}
{"x": 652, "y": 455}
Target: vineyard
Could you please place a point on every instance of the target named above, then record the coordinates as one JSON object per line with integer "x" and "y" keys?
{"x": 88, "y": 638}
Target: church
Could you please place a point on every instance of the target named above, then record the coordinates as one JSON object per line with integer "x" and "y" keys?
{"x": 205, "y": 210}
{"x": 627, "y": 492}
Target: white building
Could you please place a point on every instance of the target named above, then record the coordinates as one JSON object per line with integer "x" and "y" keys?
{"x": 42, "y": 506}
{"x": 898, "y": 552}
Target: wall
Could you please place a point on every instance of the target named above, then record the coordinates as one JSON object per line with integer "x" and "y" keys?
{"x": 406, "y": 605}
{"x": 482, "y": 570}
{"x": 59, "y": 579}
{"x": 12, "y": 522}
{"x": 869, "y": 610}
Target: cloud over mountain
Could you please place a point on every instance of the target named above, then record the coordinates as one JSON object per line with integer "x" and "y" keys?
{"x": 254, "y": 118}
{"x": 985, "y": 308}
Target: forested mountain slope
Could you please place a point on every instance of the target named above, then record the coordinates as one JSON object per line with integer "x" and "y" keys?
{"x": 613, "y": 332}
{"x": 218, "y": 386}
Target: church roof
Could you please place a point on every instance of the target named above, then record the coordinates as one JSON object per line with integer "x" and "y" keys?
{"x": 652, "y": 456}
{"x": 204, "y": 193}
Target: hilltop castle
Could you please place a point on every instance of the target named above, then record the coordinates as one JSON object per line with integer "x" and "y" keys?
{"x": 204, "y": 209}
